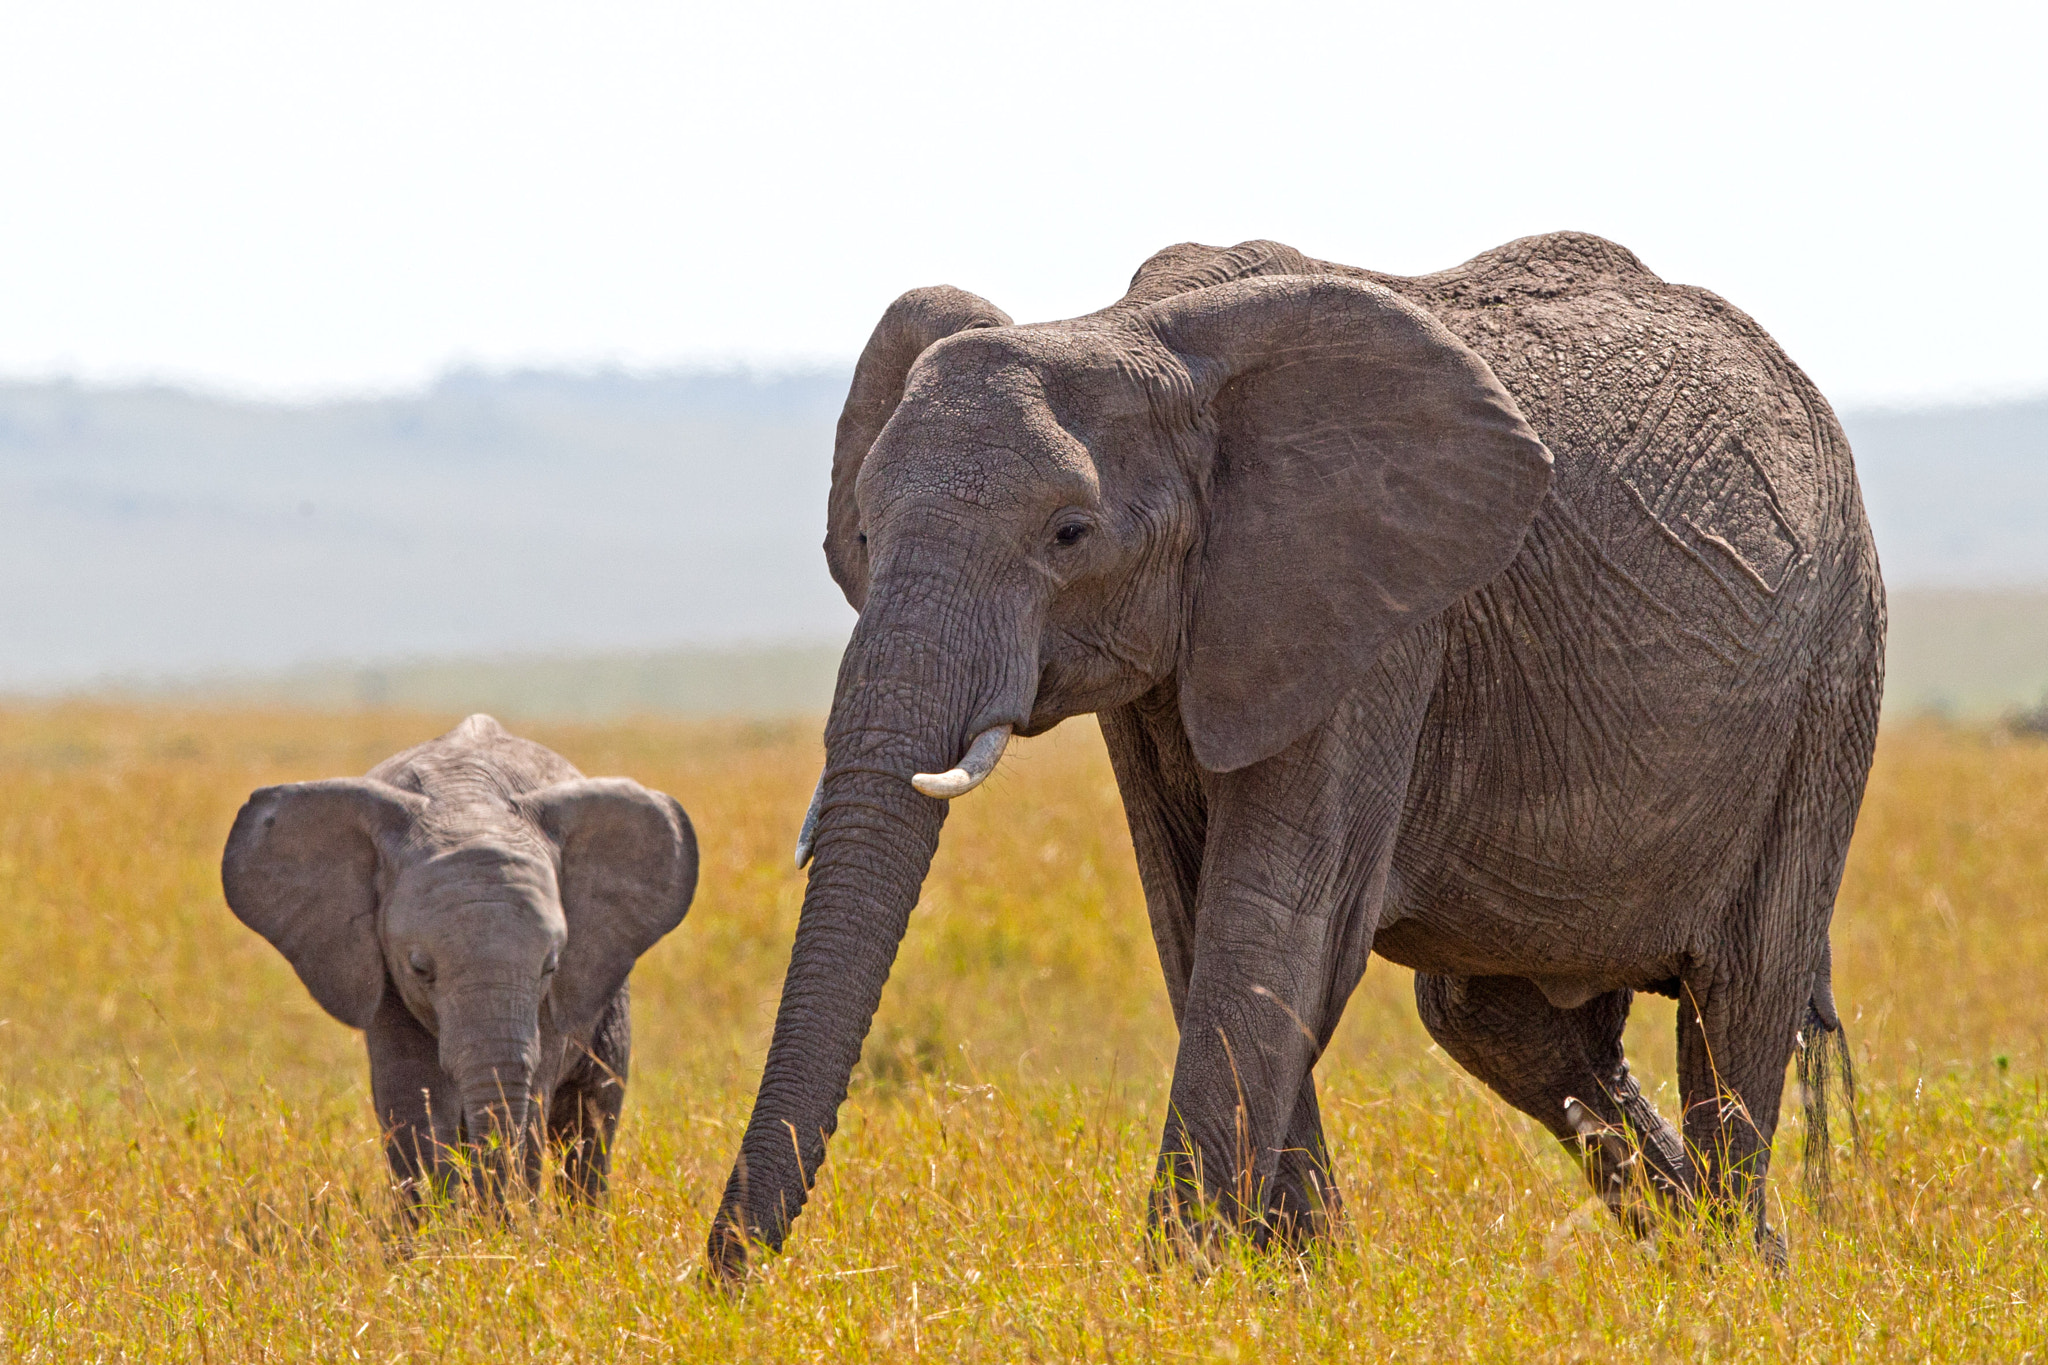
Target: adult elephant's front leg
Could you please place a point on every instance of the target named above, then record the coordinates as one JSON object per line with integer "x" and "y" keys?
{"x": 1293, "y": 875}
{"x": 1305, "y": 1202}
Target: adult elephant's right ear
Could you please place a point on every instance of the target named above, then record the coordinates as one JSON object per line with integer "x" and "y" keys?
{"x": 301, "y": 870}
{"x": 1368, "y": 470}
{"x": 914, "y": 322}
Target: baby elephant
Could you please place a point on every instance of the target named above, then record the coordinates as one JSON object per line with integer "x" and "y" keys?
{"x": 474, "y": 905}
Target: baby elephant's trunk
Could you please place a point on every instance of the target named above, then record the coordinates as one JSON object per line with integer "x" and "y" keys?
{"x": 495, "y": 1074}
{"x": 497, "y": 1119}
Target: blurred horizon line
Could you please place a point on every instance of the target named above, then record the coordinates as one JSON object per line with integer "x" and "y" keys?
{"x": 758, "y": 369}
{"x": 1966, "y": 653}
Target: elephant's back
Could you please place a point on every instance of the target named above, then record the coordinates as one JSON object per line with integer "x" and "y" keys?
{"x": 1685, "y": 438}
{"x": 1677, "y": 423}
{"x": 1701, "y": 567}
{"x": 1615, "y": 711}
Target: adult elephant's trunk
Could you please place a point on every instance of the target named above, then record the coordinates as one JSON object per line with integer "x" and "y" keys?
{"x": 490, "y": 1045}
{"x": 901, "y": 710}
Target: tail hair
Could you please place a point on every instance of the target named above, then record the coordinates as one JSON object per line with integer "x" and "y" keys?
{"x": 1823, "y": 1052}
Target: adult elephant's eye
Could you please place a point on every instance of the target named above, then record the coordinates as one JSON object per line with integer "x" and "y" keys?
{"x": 1071, "y": 533}
{"x": 422, "y": 965}
{"x": 548, "y": 968}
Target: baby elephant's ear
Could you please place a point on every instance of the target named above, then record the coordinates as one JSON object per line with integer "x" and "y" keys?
{"x": 301, "y": 869}
{"x": 629, "y": 868}
{"x": 1369, "y": 470}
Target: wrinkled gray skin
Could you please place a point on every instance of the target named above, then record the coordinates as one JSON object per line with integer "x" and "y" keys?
{"x": 474, "y": 905}
{"x": 1519, "y": 623}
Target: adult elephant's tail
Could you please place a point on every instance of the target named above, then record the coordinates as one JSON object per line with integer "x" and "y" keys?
{"x": 1824, "y": 1053}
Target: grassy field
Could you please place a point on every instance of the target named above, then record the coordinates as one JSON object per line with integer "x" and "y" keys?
{"x": 189, "y": 1169}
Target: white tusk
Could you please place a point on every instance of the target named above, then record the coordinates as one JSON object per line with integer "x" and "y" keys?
{"x": 982, "y": 757}
{"x": 809, "y": 833}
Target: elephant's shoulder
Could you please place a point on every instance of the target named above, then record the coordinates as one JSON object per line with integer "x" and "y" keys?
{"x": 1552, "y": 265}
{"x": 1690, "y": 450}
{"x": 1678, "y": 426}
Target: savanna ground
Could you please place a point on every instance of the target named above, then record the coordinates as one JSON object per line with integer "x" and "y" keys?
{"x": 189, "y": 1168}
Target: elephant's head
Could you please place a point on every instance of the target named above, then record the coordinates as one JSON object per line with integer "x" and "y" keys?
{"x": 488, "y": 918}
{"x": 1240, "y": 482}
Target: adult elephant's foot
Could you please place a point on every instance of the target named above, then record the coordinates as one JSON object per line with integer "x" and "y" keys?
{"x": 1640, "y": 1168}
{"x": 1306, "y": 1204}
{"x": 1189, "y": 1228}
{"x": 1633, "y": 1158}
{"x": 1188, "y": 1224}
{"x": 1182, "y": 1231}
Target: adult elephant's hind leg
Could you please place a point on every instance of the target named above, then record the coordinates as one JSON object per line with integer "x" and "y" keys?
{"x": 1735, "y": 1037}
{"x": 1740, "y": 1008}
{"x": 1741, "y": 1005}
{"x": 1565, "y": 1069}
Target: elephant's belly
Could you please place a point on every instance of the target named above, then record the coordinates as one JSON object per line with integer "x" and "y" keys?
{"x": 1588, "y": 801}
{"x": 1588, "y": 877}
{"x": 1572, "y": 951}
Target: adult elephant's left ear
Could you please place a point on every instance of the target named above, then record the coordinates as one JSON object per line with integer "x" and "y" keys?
{"x": 1369, "y": 470}
{"x": 628, "y": 870}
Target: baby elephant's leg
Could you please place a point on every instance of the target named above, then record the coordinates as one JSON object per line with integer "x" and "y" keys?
{"x": 417, "y": 1106}
{"x": 584, "y": 1113}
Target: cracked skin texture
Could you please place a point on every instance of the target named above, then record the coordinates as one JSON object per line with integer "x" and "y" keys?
{"x": 1372, "y": 679}
{"x": 1577, "y": 767}
{"x": 1635, "y": 680}
{"x": 1615, "y": 729}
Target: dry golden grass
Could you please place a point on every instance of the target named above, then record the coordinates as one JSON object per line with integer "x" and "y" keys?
{"x": 189, "y": 1170}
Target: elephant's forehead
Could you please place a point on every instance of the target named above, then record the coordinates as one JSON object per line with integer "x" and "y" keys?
{"x": 989, "y": 413}
{"x": 1075, "y": 368}
{"x": 482, "y": 858}
{"x": 484, "y": 874}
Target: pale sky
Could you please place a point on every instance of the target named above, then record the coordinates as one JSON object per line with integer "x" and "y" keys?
{"x": 293, "y": 199}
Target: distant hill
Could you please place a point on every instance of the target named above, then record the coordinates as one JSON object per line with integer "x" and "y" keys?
{"x": 757, "y": 681}
{"x": 150, "y": 531}
{"x": 1965, "y": 653}
{"x": 1958, "y": 497}
{"x": 614, "y": 540}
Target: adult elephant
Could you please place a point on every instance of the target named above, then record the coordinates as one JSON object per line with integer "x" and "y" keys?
{"x": 1519, "y": 623}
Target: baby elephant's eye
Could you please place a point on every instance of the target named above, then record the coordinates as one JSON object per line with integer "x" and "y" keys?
{"x": 1070, "y": 533}
{"x": 548, "y": 968}
{"x": 422, "y": 965}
